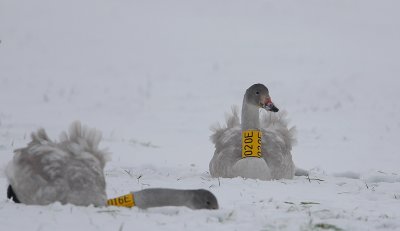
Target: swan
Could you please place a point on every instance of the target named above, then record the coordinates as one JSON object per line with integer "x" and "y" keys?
{"x": 72, "y": 171}
{"x": 269, "y": 156}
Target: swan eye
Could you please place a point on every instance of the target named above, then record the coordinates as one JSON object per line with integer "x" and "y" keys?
{"x": 257, "y": 92}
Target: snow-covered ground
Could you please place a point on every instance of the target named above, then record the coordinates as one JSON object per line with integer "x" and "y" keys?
{"x": 155, "y": 75}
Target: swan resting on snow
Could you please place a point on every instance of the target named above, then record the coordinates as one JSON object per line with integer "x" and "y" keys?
{"x": 276, "y": 139}
{"x": 72, "y": 171}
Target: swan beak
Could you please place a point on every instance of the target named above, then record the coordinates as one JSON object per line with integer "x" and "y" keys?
{"x": 267, "y": 104}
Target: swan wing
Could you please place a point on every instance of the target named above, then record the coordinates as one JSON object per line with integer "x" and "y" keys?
{"x": 227, "y": 141}
{"x": 277, "y": 142}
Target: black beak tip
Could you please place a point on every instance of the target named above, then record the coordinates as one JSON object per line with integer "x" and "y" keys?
{"x": 11, "y": 194}
{"x": 274, "y": 109}
{"x": 270, "y": 107}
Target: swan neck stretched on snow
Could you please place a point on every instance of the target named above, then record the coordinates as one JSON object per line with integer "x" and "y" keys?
{"x": 250, "y": 116}
{"x": 158, "y": 197}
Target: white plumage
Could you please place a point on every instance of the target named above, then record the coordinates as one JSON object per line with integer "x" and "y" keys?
{"x": 71, "y": 171}
{"x": 68, "y": 171}
{"x": 277, "y": 141}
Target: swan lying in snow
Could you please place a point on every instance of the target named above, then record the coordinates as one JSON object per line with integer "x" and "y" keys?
{"x": 71, "y": 171}
{"x": 268, "y": 138}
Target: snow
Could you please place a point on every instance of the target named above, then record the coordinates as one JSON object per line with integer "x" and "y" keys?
{"x": 154, "y": 76}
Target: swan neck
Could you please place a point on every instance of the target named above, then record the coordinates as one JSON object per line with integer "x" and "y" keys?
{"x": 250, "y": 117}
{"x": 157, "y": 197}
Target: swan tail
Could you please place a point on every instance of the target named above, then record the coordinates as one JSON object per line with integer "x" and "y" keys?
{"x": 301, "y": 172}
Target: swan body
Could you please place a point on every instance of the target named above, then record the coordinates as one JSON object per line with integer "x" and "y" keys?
{"x": 253, "y": 168}
{"x": 71, "y": 171}
{"x": 277, "y": 140}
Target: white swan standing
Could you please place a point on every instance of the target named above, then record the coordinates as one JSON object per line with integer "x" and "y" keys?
{"x": 276, "y": 141}
{"x": 71, "y": 171}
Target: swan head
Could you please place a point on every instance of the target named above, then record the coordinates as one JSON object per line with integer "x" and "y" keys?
{"x": 203, "y": 199}
{"x": 258, "y": 95}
